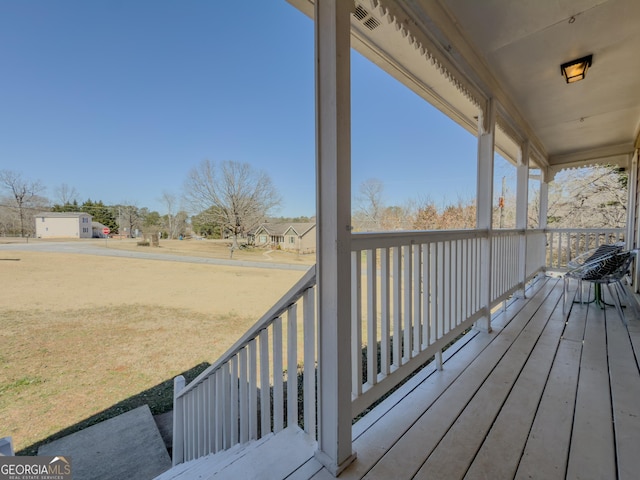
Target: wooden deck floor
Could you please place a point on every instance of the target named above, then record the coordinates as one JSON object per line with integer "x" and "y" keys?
{"x": 537, "y": 398}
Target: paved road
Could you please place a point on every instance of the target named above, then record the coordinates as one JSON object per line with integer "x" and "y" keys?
{"x": 94, "y": 249}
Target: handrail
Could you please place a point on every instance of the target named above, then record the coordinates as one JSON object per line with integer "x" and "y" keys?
{"x": 288, "y": 299}
{"x": 365, "y": 241}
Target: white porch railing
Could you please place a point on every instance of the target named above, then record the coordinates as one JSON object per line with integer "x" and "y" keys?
{"x": 242, "y": 396}
{"x": 415, "y": 292}
{"x": 412, "y": 294}
{"x": 565, "y": 244}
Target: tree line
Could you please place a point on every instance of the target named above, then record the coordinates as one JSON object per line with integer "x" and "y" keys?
{"x": 225, "y": 199}
{"x": 230, "y": 199}
{"x": 594, "y": 197}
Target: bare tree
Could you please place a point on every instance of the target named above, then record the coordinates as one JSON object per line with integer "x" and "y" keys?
{"x": 593, "y": 197}
{"x": 129, "y": 219}
{"x": 169, "y": 201}
{"x": 369, "y": 205}
{"x": 241, "y": 196}
{"x": 65, "y": 195}
{"x": 175, "y": 220}
{"x": 24, "y": 193}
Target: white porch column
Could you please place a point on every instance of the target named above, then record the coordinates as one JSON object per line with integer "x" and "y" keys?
{"x": 522, "y": 208}
{"x": 632, "y": 235}
{"x": 333, "y": 163}
{"x": 544, "y": 200}
{"x": 484, "y": 210}
{"x": 632, "y": 182}
{"x": 544, "y": 207}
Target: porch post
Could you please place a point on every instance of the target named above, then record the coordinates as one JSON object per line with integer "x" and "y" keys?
{"x": 544, "y": 201}
{"x": 629, "y": 235}
{"x": 632, "y": 234}
{"x": 522, "y": 208}
{"x": 333, "y": 209}
{"x": 543, "y": 208}
{"x": 484, "y": 210}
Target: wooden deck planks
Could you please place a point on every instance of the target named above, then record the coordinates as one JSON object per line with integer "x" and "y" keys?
{"x": 406, "y": 456}
{"x": 381, "y": 436}
{"x": 563, "y": 411}
{"x": 546, "y": 450}
{"x": 374, "y": 437}
{"x": 502, "y": 449}
{"x": 625, "y": 395}
{"x": 592, "y": 451}
{"x": 456, "y": 451}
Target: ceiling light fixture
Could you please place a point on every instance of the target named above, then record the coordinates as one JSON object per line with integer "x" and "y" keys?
{"x": 576, "y": 70}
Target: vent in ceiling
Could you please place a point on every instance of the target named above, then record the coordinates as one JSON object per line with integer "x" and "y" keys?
{"x": 371, "y": 23}
{"x": 360, "y": 13}
{"x": 365, "y": 17}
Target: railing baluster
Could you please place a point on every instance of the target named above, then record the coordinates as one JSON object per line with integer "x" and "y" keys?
{"x": 201, "y": 419}
{"x": 459, "y": 283}
{"x": 265, "y": 390}
{"x": 372, "y": 318}
{"x": 417, "y": 299}
{"x": 253, "y": 390}
{"x": 385, "y": 351}
{"x": 559, "y": 249}
{"x": 244, "y": 396}
{"x": 219, "y": 398}
{"x": 397, "y": 309}
{"x": 309, "y": 367}
{"x": 426, "y": 295}
{"x": 234, "y": 401}
{"x": 447, "y": 284}
{"x": 226, "y": 401}
{"x": 433, "y": 301}
{"x": 278, "y": 373}
{"x": 178, "y": 422}
{"x": 356, "y": 322}
{"x": 407, "y": 318}
{"x": 292, "y": 365}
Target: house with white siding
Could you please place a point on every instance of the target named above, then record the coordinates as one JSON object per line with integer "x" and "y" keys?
{"x": 299, "y": 237}
{"x": 63, "y": 225}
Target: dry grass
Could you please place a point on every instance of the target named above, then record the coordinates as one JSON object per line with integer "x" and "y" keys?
{"x": 84, "y": 337}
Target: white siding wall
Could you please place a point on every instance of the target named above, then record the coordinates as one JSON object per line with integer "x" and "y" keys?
{"x": 64, "y": 227}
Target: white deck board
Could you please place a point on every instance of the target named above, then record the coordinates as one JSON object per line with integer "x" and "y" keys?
{"x": 545, "y": 453}
{"x": 456, "y": 451}
{"x": 508, "y": 435}
{"x": 592, "y": 452}
{"x": 625, "y": 395}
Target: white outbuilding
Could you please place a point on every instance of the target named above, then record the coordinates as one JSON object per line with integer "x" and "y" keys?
{"x": 63, "y": 225}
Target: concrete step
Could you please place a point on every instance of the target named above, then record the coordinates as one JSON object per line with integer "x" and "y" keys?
{"x": 272, "y": 457}
{"x": 126, "y": 446}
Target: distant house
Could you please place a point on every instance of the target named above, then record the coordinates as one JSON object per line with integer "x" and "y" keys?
{"x": 63, "y": 225}
{"x": 299, "y": 237}
{"x": 97, "y": 229}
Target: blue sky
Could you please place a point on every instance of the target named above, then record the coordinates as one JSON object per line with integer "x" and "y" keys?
{"x": 120, "y": 99}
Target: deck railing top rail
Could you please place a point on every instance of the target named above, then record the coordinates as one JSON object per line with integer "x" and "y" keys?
{"x": 368, "y": 240}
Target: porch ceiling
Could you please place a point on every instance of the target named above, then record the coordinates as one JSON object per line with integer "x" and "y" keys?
{"x": 458, "y": 53}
